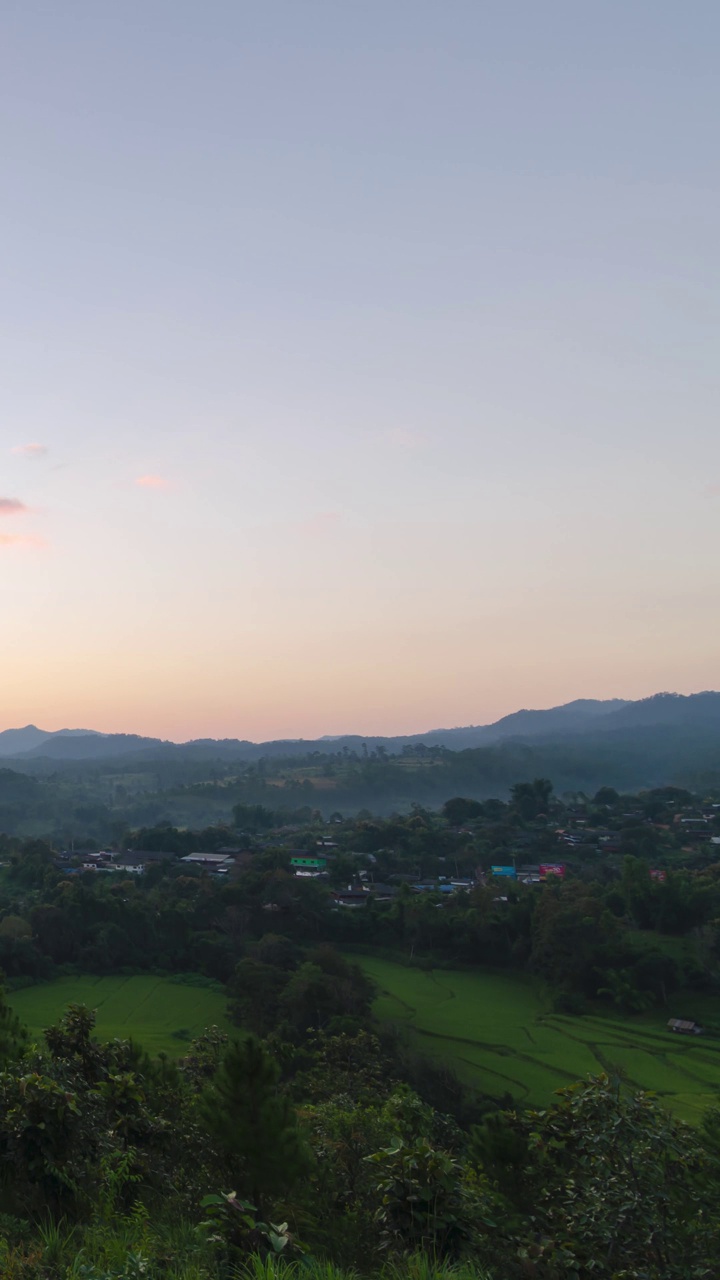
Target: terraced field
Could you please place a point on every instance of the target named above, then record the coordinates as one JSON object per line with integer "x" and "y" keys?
{"x": 160, "y": 1015}
{"x": 501, "y": 1036}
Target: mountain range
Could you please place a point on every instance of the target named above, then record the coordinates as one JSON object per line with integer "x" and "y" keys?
{"x": 693, "y": 714}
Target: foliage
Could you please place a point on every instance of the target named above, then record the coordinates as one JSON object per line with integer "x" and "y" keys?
{"x": 13, "y": 1035}
{"x": 113, "y": 1149}
{"x": 239, "y": 1226}
{"x": 254, "y": 1124}
{"x": 529, "y": 799}
{"x": 425, "y": 1200}
{"x": 303, "y": 994}
{"x": 617, "y": 1188}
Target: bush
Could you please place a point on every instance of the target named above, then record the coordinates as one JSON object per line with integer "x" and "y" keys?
{"x": 569, "y": 1002}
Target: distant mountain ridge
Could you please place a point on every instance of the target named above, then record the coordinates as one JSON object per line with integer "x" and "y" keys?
{"x": 698, "y": 712}
{"x": 23, "y": 741}
{"x": 568, "y": 718}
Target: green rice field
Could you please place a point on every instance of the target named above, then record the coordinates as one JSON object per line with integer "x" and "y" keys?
{"x": 499, "y": 1033}
{"x": 161, "y": 1015}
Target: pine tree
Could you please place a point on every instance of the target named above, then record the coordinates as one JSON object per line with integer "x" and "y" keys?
{"x": 253, "y": 1122}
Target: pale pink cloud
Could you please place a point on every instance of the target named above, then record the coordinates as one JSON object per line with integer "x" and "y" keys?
{"x": 152, "y": 482}
{"x": 712, "y": 490}
{"x": 319, "y": 525}
{"x": 26, "y": 541}
{"x": 30, "y": 450}
{"x": 12, "y": 507}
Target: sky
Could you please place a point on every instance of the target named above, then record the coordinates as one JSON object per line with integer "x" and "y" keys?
{"x": 358, "y": 362}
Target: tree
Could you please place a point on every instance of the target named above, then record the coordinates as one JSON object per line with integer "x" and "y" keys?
{"x": 254, "y": 1124}
{"x": 14, "y": 928}
{"x": 639, "y": 892}
{"x": 276, "y": 949}
{"x": 606, "y": 796}
{"x": 623, "y": 992}
{"x": 255, "y": 991}
{"x": 425, "y": 1201}
{"x": 31, "y": 868}
{"x": 574, "y": 938}
{"x": 459, "y": 810}
{"x": 316, "y": 994}
{"x": 253, "y": 817}
{"x": 13, "y": 1036}
{"x": 530, "y": 799}
{"x": 55, "y": 931}
{"x": 337, "y": 1068}
{"x": 618, "y": 1188}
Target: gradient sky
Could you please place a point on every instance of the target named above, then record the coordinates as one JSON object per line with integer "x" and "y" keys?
{"x": 359, "y": 362}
